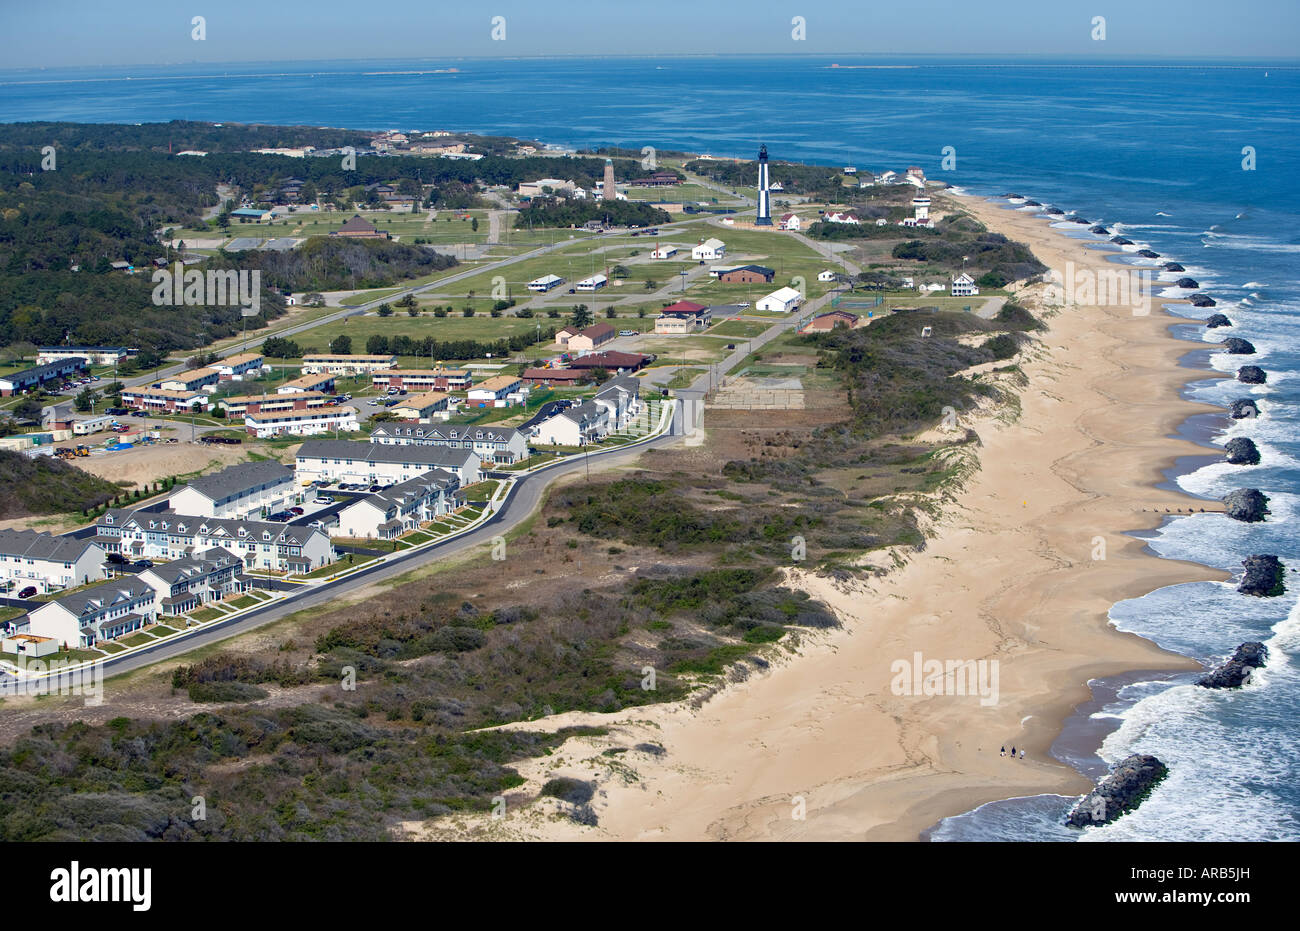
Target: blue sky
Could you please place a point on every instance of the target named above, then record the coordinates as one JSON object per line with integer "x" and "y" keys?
{"x": 62, "y": 33}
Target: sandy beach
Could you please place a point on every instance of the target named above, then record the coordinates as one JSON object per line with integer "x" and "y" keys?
{"x": 1011, "y": 576}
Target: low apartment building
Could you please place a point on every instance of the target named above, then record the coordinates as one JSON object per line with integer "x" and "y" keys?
{"x": 301, "y": 423}
{"x": 191, "y": 582}
{"x": 204, "y": 379}
{"x": 493, "y": 445}
{"x": 621, "y": 397}
{"x": 102, "y": 612}
{"x": 370, "y": 463}
{"x": 243, "y": 490}
{"x": 346, "y": 365}
{"x": 238, "y": 406}
{"x": 422, "y": 406}
{"x": 311, "y": 383}
{"x": 40, "y": 375}
{"x": 422, "y": 380}
{"x": 162, "y": 400}
{"x": 392, "y": 512}
{"x": 592, "y": 338}
{"x": 46, "y": 562}
{"x": 683, "y": 317}
{"x": 168, "y": 535}
{"x": 97, "y": 355}
{"x": 239, "y": 366}
{"x": 495, "y": 391}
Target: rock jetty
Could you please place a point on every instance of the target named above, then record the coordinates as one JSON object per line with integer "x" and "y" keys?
{"x": 1236, "y": 671}
{"x": 1242, "y": 450}
{"x": 1249, "y": 505}
{"x": 1264, "y": 576}
{"x": 1243, "y": 408}
{"x": 1122, "y": 790}
{"x": 1217, "y": 320}
{"x": 1252, "y": 375}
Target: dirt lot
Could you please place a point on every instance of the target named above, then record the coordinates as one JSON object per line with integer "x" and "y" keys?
{"x": 145, "y": 464}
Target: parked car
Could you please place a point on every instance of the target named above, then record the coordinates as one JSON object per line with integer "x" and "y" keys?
{"x": 117, "y": 411}
{"x": 27, "y": 592}
{"x": 280, "y": 517}
{"x": 142, "y": 564}
{"x": 374, "y": 488}
{"x": 743, "y": 304}
{"x": 731, "y": 345}
{"x": 296, "y": 510}
{"x": 117, "y": 559}
{"x": 139, "y": 413}
{"x": 627, "y": 332}
{"x": 322, "y": 501}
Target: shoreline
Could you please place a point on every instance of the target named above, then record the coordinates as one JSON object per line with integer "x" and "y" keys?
{"x": 1100, "y": 429}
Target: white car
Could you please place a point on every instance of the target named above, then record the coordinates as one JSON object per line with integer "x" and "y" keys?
{"x": 324, "y": 501}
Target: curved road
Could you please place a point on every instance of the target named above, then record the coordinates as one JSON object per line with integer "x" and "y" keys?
{"x": 519, "y": 504}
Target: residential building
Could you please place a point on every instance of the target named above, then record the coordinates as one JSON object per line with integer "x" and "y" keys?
{"x": 594, "y": 283}
{"x": 683, "y": 317}
{"x": 436, "y": 379}
{"x": 387, "y": 514}
{"x": 96, "y": 355}
{"x": 163, "y": 400}
{"x": 242, "y": 490}
{"x": 204, "y": 379}
{"x": 192, "y": 581}
{"x": 493, "y": 445}
{"x": 544, "y": 186}
{"x": 356, "y": 462}
{"x": 826, "y": 275}
{"x": 495, "y": 391}
{"x": 592, "y": 338}
{"x": 963, "y": 285}
{"x": 358, "y": 228}
{"x": 264, "y": 424}
{"x": 656, "y": 179}
{"x": 311, "y": 383}
{"x": 238, "y": 406}
{"x": 555, "y": 378}
{"x": 782, "y": 300}
{"x": 102, "y": 612}
{"x": 842, "y": 216}
{"x": 709, "y": 251}
{"x": 237, "y": 366}
{"x": 748, "y": 274}
{"x": 421, "y": 406}
{"x": 621, "y": 398}
{"x": 265, "y": 545}
{"x": 47, "y": 562}
{"x": 790, "y": 222}
{"x": 545, "y": 283}
{"x": 40, "y": 375}
{"x": 574, "y": 426}
{"x": 346, "y": 365}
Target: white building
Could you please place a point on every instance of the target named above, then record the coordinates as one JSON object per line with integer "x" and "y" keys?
{"x": 494, "y": 445}
{"x": 188, "y": 583}
{"x": 842, "y": 216}
{"x": 387, "y": 514}
{"x": 301, "y": 422}
{"x": 98, "y": 355}
{"x": 594, "y": 283}
{"x": 545, "y": 283}
{"x": 709, "y": 251}
{"x": 238, "y": 366}
{"x": 102, "y": 612}
{"x": 574, "y": 426}
{"x": 621, "y": 398}
{"x": 790, "y": 222}
{"x": 346, "y": 364}
{"x": 827, "y": 275}
{"x": 663, "y": 252}
{"x": 88, "y": 425}
{"x": 783, "y": 300}
{"x": 963, "y": 285}
{"x": 540, "y": 186}
{"x": 379, "y": 463}
{"x": 29, "y": 559}
{"x": 243, "y": 490}
{"x": 266, "y": 545}
{"x": 920, "y": 213}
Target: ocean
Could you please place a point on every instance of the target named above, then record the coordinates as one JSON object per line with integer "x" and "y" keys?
{"x": 1159, "y": 153}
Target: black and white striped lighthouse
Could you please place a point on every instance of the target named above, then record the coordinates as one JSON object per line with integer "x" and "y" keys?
{"x": 764, "y": 217}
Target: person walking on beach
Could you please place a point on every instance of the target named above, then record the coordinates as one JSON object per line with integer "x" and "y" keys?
{"x": 1022, "y": 754}
{"x": 1004, "y": 749}
{"x": 1013, "y": 753}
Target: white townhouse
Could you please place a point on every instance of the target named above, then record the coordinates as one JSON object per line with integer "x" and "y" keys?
{"x": 709, "y": 251}
{"x": 189, "y": 583}
{"x": 266, "y": 545}
{"x": 347, "y": 365}
{"x": 574, "y": 426}
{"x": 494, "y": 445}
{"x": 101, "y": 612}
{"x": 234, "y": 368}
{"x": 249, "y": 488}
{"x": 620, "y": 396}
{"x": 388, "y": 514}
{"x": 29, "y": 559}
{"x": 356, "y": 462}
{"x": 309, "y": 422}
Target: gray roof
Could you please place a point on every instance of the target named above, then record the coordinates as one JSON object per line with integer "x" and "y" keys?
{"x": 216, "y": 526}
{"x": 428, "y": 456}
{"x": 450, "y": 433}
{"x": 621, "y": 382}
{"x": 584, "y": 412}
{"x": 243, "y": 477}
{"x": 196, "y": 566}
{"x": 97, "y": 597}
{"x": 33, "y": 545}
